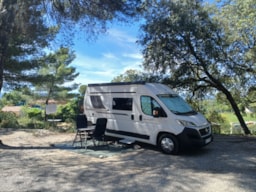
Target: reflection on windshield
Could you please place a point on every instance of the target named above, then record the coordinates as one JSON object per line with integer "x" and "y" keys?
{"x": 176, "y": 104}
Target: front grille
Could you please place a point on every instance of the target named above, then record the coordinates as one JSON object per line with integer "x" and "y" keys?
{"x": 205, "y": 131}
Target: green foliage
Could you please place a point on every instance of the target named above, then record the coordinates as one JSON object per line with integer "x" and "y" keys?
{"x": 82, "y": 90}
{"x": 31, "y": 123}
{"x": 23, "y": 35}
{"x": 15, "y": 98}
{"x": 251, "y": 94}
{"x": 27, "y": 27}
{"x": 68, "y": 111}
{"x": 129, "y": 76}
{"x": 8, "y": 120}
{"x": 189, "y": 45}
{"x": 215, "y": 117}
{"x": 231, "y": 117}
{"x": 90, "y": 16}
{"x": 132, "y": 75}
{"x": 55, "y": 73}
{"x": 252, "y": 127}
{"x": 34, "y": 113}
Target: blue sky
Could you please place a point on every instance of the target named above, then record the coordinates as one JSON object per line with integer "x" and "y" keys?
{"x": 110, "y": 55}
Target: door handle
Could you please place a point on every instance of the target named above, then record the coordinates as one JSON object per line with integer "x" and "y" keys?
{"x": 140, "y": 117}
{"x": 132, "y": 117}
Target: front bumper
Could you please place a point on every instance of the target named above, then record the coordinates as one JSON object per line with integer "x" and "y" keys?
{"x": 193, "y": 138}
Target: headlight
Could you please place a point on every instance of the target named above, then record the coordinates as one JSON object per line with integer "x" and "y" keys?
{"x": 186, "y": 123}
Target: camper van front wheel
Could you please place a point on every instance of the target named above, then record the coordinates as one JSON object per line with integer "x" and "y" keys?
{"x": 168, "y": 144}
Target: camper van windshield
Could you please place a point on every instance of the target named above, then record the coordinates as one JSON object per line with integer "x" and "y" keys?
{"x": 176, "y": 104}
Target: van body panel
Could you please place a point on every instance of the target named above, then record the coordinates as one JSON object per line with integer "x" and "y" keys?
{"x": 130, "y": 108}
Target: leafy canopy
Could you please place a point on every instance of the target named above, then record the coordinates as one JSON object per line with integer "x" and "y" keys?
{"x": 187, "y": 42}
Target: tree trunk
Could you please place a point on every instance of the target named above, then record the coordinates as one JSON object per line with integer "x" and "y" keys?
{"x": 217, "y": 84}
{"x": 1, "y": 71}
{"x": 4, "y": 40}
{"x": 3, "y": 48}
{"x": 237, "y": 112}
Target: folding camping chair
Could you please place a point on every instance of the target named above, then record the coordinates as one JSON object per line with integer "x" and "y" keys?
{"x": 82, "y": 130}
{"x": 98, "y": 134}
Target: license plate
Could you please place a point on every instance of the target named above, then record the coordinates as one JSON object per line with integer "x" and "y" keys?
{"x": 208, "y": 140}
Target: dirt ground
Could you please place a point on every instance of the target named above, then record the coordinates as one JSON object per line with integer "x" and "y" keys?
{"x": 29, "y": 161}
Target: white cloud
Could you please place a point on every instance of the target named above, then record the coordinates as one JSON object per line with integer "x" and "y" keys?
{"x": 133, "y": 55}
{"x": 99, "y": 70}
{"x": 121, "y": 36}
{"x": 108, "y": 57}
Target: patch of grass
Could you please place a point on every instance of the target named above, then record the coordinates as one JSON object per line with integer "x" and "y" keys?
{"x": 231, "y": 117}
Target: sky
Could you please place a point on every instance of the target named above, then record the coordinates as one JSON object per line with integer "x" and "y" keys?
{"x": 110, "y": 55}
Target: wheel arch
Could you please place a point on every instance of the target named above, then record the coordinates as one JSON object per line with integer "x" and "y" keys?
{"x": 162, "y": 133}
{"x": 176, "y": 142}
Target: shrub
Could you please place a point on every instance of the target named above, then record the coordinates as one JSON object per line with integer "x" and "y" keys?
{"x": 67, "y": 112}
{"x": 219, "y": 122}
{"x": 8, "y": 120}
{"x": 34, "y": 113}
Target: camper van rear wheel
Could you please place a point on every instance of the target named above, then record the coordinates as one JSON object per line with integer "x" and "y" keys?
{"x": 168, "y": 144}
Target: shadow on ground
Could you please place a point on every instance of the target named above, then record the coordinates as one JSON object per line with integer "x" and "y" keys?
{"x": 100, "y": 151}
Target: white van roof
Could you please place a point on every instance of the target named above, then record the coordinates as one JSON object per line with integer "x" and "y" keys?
{"x": 117, "y": 83}
{"x": 159, "y": 88}
{"x": 156, "y": 88}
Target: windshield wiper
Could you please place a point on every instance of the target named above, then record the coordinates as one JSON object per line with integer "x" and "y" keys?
{"x": 185, "y": 113}
{"x": 189, "y": 113}
{"x": 176, "y": 112}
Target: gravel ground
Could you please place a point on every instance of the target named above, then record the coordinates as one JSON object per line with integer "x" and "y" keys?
{"x": 28, "y": 162}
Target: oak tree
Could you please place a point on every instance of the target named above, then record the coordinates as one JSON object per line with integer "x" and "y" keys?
{"x": 184, "y": 40}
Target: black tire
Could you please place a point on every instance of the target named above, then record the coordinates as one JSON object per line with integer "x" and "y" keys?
{"x": 168, "y": 144}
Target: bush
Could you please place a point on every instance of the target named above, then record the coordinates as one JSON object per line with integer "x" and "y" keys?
{"x": 31, "y": 118}
{"x": 34, "y": 113}
{"x": 67, "y": 112}
{"x": 221, "y": 125}
{"x": 252, "y": 128}
{"x": 8, "y": 120}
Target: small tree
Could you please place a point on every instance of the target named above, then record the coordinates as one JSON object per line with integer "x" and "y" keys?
{"x": 55, "y": 76}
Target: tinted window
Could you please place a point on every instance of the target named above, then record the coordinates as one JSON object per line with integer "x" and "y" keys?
{"x": 122, "y": 104}
{"x": 97, "y": 102}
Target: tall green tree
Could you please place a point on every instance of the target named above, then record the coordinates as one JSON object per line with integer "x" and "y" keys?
{"x": 23, "y": 35}
{"x": 29, "y": 26}
{"x": 238, "y": 18}
{"x": 184, "y": 40}
{"x": 55, "y": 74}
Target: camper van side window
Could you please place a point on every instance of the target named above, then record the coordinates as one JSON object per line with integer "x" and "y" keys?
{"x": 122, "y": 104}
{"x": 97, "y": 102}
{"x": 148, "y": 104}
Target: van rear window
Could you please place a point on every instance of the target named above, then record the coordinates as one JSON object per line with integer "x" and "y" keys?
{"x": 122, "y": 104}
{"x": 97, "y": 102}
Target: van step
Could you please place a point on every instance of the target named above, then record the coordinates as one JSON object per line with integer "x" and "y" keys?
{"x": 127, "y": 141}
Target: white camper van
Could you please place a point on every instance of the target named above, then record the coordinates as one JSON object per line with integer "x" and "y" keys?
{"x": 147, "y": 112}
